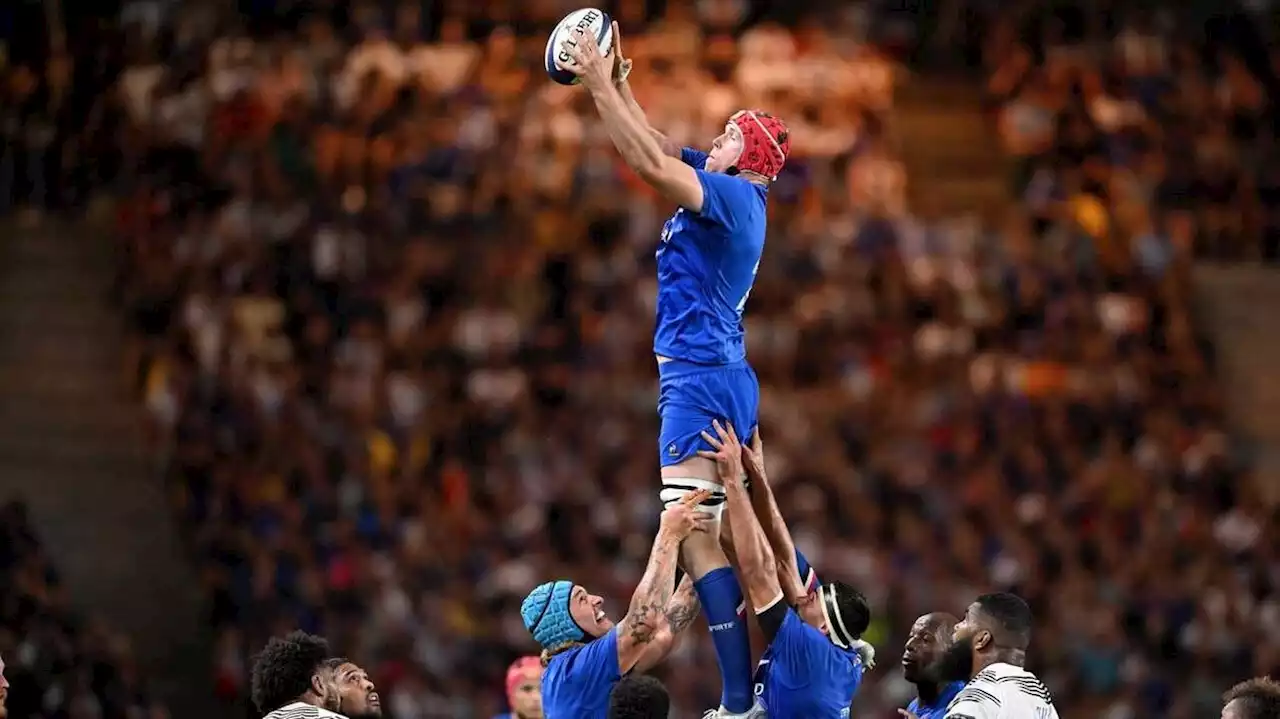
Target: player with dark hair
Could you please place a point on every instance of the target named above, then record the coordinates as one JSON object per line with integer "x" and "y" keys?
{"x": 988, "y": 650}
{"x": 639, "y": 697}
{"x": 584, "y": 652}
{"x": 357, "y": 696}
{"x": 292, "y": 678}
{"x": 930, "y": 636}
{"x": 524, "y": 689}
{"x": 816, "y": 657}
{"x": 1257, "y": 698}
{"x": 708, "y": 257}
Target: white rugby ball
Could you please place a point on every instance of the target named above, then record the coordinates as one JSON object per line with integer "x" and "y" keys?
{"x": 555, "y": 59}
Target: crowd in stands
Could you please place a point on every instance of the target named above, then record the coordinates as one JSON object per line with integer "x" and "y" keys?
{"x": 58, "y": 666}
{"x": 392, "y": 294}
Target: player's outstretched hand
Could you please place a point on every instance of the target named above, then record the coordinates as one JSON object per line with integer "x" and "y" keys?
{"x": 593, "y": 69}
{"x": 753, "y": 459}
{"x": 684, "y": 518}
{"x": 621, "y": 65}
{"x": 727, "y": 454}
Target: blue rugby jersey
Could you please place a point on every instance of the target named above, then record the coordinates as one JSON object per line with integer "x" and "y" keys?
{"x": 938, "y": 709}
{"x": 802, "y": 675}
{"x": 707, "y": 262}
{"x": 577, "y": 683}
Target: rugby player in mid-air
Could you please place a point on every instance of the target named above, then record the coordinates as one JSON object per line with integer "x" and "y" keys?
{"x": 707, "y": 260}
{"x": 585, "y": 654}
{"x": 524, "y": 689}
{"x": 930, "y": 636}
{"x": 816, "y": 657}
{"x": 988, "y": 649}
{"x": 296, "y": 678}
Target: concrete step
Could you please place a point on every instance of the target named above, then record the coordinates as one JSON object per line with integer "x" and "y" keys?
{"x": 72, "y": 444}
{"x": 940, "y": 126}
{"x": 927, "y": 93}
{"x": 963, "y": 195}
{"x": 71, "y": 353}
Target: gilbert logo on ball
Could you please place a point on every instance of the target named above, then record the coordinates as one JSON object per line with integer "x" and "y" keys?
{"x": 555, "y": 59}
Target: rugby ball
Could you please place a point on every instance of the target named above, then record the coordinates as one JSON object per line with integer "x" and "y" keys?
{"x": 555, "y": 59}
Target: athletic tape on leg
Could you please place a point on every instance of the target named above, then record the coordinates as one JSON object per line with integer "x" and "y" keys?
{"x": 675, "y": 489}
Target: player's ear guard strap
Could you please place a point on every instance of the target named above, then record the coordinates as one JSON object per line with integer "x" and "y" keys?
{"x": 674, "y": 489}
{"x": 836, "y": 628}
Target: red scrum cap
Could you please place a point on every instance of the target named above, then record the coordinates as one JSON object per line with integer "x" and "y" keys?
{"x": 765, "y": 142}
{"x": 520, "y": 670}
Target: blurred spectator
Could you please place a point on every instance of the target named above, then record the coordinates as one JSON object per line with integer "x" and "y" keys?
{"x": 57, "y": 665}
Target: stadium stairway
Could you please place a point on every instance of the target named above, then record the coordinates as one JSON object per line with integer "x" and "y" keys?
{"x": 71, "y": 445}
{"x": 1237, "y": 305}
{"x": 953, "y": 158}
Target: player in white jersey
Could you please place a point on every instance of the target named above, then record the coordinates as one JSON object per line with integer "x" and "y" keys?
{"x": 296, "y": 678}
{"x": 988, "y": 650}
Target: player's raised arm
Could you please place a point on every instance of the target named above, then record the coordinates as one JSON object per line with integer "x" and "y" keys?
{"x": 646, "y": 628}
{"x": 631, "y": 135}
{"x": 756, "y": 566}
{"x": 621, "y": 71}
{"x": 765, "y": 508}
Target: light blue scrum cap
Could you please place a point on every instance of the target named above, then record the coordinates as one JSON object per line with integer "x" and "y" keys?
{"x": 546, "y": 615}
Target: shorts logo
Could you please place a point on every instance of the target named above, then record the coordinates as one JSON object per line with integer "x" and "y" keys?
{"x": 673, "y": 450}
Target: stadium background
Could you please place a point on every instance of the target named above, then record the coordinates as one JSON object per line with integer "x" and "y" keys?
{"x": 336, "y": 315}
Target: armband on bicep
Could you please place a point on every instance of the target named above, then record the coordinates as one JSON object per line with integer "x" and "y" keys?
{"x": 771, "y": 617}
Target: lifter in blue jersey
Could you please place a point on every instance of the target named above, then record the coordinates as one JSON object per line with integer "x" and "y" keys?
{"x": 707, "y": 262}
{"x": 816, "y": 657}
{"x": 584, "y": 652}
{"x": 929, "y": 638}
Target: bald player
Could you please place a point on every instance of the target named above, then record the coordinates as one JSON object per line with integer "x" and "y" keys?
{"x": 1257, "y": 698}
{"x": 929, "y": 638}
{"x": 988, "y": 649}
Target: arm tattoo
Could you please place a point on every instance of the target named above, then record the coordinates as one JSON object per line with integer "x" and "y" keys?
{"x": 642, "y": 624}
{"x": 683, "y": 607}
{"x": 646, "y": 614}
{"x": 681, "y": 615}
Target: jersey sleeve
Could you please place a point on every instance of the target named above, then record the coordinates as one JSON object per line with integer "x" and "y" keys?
{"x": 725, "y": 199}
{"x": 799, "y": 644}
{"x": 978, "y": 700}
{"x": 808, "y": 575}
{"x": 595, "y": 664}
{"x": 697, "y": 159}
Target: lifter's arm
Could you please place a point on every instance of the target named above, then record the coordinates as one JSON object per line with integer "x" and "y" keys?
{"x": 680, "y": 613}
{"x": 647, "y": 621}
{"x": 631, "y": 135}
{"x": 756, "y": 567}
{"x": 765, "y": 508}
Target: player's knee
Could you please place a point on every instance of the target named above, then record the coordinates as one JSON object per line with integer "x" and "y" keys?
{"x": 675, "y": 489}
